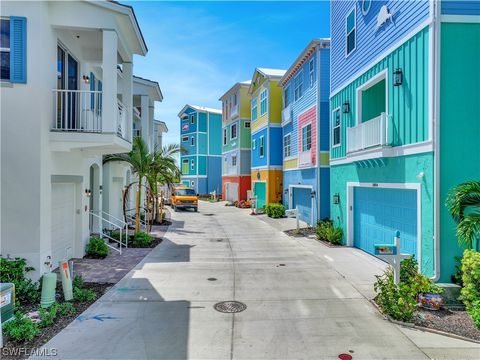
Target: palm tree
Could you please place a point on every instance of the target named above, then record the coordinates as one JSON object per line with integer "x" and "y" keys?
{"x": 140, "y": 160}
{"x": 463, "y": 202}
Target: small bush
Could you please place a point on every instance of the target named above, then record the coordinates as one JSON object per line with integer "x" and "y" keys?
{"x": 14, "y": 271}
{"x": 275, "y": 210}
{"x": 83, "y": 295}
{"x": 322, "y": 227}
{"x": 78, "y": 282}
{"x": 334, "y": 235}
{"x": 48, "y": 316}
{"x": 471, "y": 284}
{"x": 22, "y": 328}
{"x": 66, "y": 309}
{"x": 399, "y": 301}
{"x": 97, "y": 248}
{"x": 141, "y": 239}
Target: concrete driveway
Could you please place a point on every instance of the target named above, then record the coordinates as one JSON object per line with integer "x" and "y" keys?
{"x": 304, "y": 301}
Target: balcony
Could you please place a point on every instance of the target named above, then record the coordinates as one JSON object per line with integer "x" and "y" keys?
{"x": 78, "y": 123}
{"x": 368, "y": 134}
{"x": 287, "y": 115}
{"x": 234, "y": 111}
{"x": 305, "y": 158}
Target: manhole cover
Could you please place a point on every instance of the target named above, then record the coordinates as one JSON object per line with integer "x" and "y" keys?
{"x": 212, "y": 279}
{"x": 230, "y": 306}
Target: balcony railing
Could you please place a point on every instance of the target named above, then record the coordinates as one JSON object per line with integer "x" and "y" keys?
{"x": 368, "y": 134}
{"x": 137, "y": 132}
{"x": 305, "y": 158}
{"x": 77, "y": 110}
{"x": 286, "y": 115}
{"x": 234, "y": 111}
{"x": 122, "y": 120}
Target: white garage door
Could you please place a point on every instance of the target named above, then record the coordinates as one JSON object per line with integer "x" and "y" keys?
{"x": 63, "y": 222}
{"x": 232, "y": 191}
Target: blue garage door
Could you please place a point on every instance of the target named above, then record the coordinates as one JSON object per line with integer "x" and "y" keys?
{"x": 379, "y": 213}
{"x": 301, "y": 199}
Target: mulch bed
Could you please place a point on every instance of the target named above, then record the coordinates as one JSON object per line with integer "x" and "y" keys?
{"x": 22, "y": 350}
{"x": 457, "y": 322}
{"x": 155, "y": 242}
{"x": 302, "y": 232}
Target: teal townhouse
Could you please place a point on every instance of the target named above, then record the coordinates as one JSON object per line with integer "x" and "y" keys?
{"x": 201, "y": 139}
{"x": 404, "y": 112}
{"x": 305, "y": 125}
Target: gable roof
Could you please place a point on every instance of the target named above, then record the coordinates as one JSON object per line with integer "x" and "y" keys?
{"x": 245, "y": 83}
{"x": 150, "y": 83}
{"x": 199, "y": 108}
{"x": 275, "y": 74}
{"x": 304, "y": 55}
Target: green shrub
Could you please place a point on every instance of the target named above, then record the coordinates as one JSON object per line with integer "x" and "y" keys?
{"x": 275, "y": 210}
{"x": 334, "y": 235}
{"x": 13, "y": 271}
{"x": 83, "y": 295}
{"x": 399, "y": 301}
{"x": 322, "y": 227}
{"x": 471, "y": 284}
{"x": 141, "y": 239}
{"x": 66, "y": 309}
{"x": 97, "y": 248}
{"x": 78, "y": 282}
{"x": 48, "y": 316}
{"x": 22, "y": 328}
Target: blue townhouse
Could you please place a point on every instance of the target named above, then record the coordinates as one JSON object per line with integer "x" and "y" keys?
{"x": 404, "y": 123}
{"x": 305, "y": 128}
{"x": 201, "y": 139}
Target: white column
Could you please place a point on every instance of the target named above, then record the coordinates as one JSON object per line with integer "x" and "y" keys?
{"x": 145, "y": 118}
{"x": 110, "y": 89}
{"x": 151, "y": 126}
{"x": 128, "y": 96}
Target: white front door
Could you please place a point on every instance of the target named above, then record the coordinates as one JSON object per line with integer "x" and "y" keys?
{"x": 63, "y": 221}
{"x": 232, "y": 191}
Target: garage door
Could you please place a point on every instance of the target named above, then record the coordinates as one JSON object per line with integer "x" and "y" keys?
{"x": 231, "y": 190}
{"x": 260, "y": 191}
{"x": 63, "y": 221}
{"x": 302, "y": 200}
{"x": 117, "y": 205}
{"x": 379, "y": 213}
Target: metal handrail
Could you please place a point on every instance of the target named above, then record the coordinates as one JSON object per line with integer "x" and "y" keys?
{"x": 104, "y": 235}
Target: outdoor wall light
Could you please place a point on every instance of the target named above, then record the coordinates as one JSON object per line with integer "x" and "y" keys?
{"x": 346, "y": 107}
{"x": 285, "y": 191}
{"x": 101, "y": 189}
{"x": 312, "y": 194}
{"x": 420, "y": 175}
{"x": 336, "y": 198}
{"x": 88, "y": 192}
{"x": 86, "y": 79}
{"x": 397, "y": 77}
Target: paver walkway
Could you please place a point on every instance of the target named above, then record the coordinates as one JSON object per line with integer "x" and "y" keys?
{"x": 304, "y": 301}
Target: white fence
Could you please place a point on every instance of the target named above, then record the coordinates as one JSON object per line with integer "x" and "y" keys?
{"x": 367, "y": 134}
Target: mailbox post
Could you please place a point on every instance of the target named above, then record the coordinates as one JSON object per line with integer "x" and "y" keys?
{"x": 391, "y": 254}
{"x": 293, "y": 213}
{"x": 253, "y": 201}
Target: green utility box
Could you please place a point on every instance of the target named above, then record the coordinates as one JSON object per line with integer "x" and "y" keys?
{"x": 7, "y": 301}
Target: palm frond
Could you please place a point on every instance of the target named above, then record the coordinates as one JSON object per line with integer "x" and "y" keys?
{"x": 461, "y": 196}
{"x": 468, "y": 229}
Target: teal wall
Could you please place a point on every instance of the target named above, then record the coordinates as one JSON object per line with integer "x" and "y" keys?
{"x": 202, "y": 122}
{"x": 215, "y": 134}
{"x": 402, "y": 169}
{"x": 459, "y": 125}
{"x": 202, "y": 143}
{"x": 231, "y": 144}
{"x": 407, "y": 104}
{"x": 202, "y": 165}
{"x": 373, "y": 101}
{"x": 245, "y": 139}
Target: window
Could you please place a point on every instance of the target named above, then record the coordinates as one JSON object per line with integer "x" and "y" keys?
{"x": 192, "y": 184}
{"x": 185, "y": 138}
{"x": 247, "y": 124}
{"x": 336, "y": 128}
{"x": 307, "y": 137}
{"x": 192, "y": 164}
{"x": 263, "y": 102}
{"x": 5, "y": 48}
{"x": 287, "y": 143}
{"x": 186, "y": 192}
{"x": 185, "y": 166}
{"x": 254, "y": 109}
{"x": 192, "y": 119}
{"x": 235, "y": 99}
{"x": 254, "y": 144}
{"x": 224, "y": 136}
{"x": 350, "y": 29}
{"x": 261, "y": 146}
{"x": 233, "y": 131}
{"x": 234, "y": 160}
{"x": 311, "y": 71}
{"x": 286, "y": 97}
{"x": 192, "y": 141}
{"x": 298, "y": 83}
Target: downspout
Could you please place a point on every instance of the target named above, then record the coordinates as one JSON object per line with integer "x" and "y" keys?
{"x": 319, "y": 131}
{"x": 268, "y": 141}
{"x": 436, "y": 136}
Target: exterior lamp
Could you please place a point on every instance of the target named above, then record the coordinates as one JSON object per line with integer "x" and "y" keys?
{"x": 336, "y": 198}
{"x": 88, "y": 192}
{"x": 101, "y": 188}
{"x": 346, "y": 107}
{"x": 397, "y": 77}
{"x": 312, "y": 194}
{"x": 86, "y": 79}
{"x": 285, "y": 191}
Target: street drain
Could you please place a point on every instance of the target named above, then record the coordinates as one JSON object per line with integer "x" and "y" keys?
{"x": 212, "y": 279}
{"x": 217, "y": 240}
{"x": 208, "y": 214}
{"x": 230, "y": 306}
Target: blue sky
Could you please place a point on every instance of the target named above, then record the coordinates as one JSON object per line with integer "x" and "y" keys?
{"x": 198, "y": 50}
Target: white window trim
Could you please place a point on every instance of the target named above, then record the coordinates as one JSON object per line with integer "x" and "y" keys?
{"x": 301, "y": 136}
{"x": 264, "y": 91}
{"x": 382, "y": 75}
{"x": 192, "y": 119}
{"x": 234, "y": 157}
{"x": 347, "y": 54}
{"x": 311, "y": 72}
{"x": 299, "y": 75}
{"x": 184, "y": 138}
{"x": 255, "y": 100}
{"x": 254, "y": 144}
{"x": 333, "y": 127}
{"x": 236, "y": 131}
{"x": 289, "y": 135}
{"x": 261, "y": 144}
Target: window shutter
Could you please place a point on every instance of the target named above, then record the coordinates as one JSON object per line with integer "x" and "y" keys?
{"x": 92, "y": 88}
{"x": 18, "y": 50}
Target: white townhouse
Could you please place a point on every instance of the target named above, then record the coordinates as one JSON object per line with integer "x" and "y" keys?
{"x": 117, "y": 175}
{"x": 66, "y": 100}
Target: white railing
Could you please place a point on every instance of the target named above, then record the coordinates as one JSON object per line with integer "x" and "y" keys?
{"x": 286, "y": 115}
{"x": 77, "y": 110}
{"x": 305, "y": 158}
{"x": 234, "y": 111}
{"x": 122, "y": 120}
{"x": 137, "y": 133}
{"x": 105, "y": 232}
{"x": 367, "y": 134}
